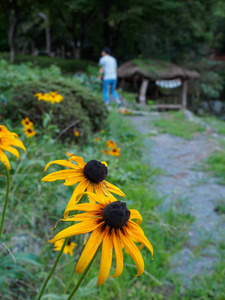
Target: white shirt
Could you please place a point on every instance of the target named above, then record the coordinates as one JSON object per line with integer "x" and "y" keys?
{"x": 109, "y": 65}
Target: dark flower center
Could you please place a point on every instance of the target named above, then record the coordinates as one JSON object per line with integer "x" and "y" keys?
{"x": 29, "y": 130}
{"x": 69, "y": 242}
{"x": 116, "y": 214}
{"x": 95, "y": 171}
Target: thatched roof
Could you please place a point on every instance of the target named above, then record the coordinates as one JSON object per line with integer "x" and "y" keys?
{"x": 154, "y": 70}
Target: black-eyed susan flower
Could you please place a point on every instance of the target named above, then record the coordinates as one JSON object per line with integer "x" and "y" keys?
{"x": 67, "y": 249}
{"x": 26, "y": 122}
{"x": 29, "y": 131}
{"x": 76, "y": 133}
{"x": 111, "y": 144}
{"x": 111, "y": 224}
{"x": 114, "y": 152}
{"x": 7, "y": 140}
{"x": 102, "y": 131}
{"x": 97, "y": 139}
{"x": 53, "y": 97}
{"x": 89, "y": 176}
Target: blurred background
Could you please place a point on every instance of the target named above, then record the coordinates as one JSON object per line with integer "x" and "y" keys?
{"x": 169, "y": 133}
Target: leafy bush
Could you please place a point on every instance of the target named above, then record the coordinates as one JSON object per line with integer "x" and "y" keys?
{"x": 13, "y": 75}
{"x": 79, "y": 104}
{"x": 66, "y": 65}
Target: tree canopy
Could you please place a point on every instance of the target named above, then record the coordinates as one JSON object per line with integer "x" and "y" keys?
{"x": 164, "y": 29}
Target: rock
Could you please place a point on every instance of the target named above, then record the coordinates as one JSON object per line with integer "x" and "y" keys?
{"x": 217, "y": 106}
{"x": 205, "y": 105}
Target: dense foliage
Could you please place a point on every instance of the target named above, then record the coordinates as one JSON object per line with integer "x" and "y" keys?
{"x": 80, "y": 106}
{"x": 164, "y": 29}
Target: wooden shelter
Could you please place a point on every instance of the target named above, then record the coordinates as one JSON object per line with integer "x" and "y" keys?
{"x": 143, "y": 73}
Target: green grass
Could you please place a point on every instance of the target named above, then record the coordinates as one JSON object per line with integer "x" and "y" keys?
{"x": 176, "y": 124}
{"x": 215, "y": 163}
{"x": 217, "y": 124}
{"x": 35, "y": 206}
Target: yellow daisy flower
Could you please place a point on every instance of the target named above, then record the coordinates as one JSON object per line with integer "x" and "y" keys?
{"x": 26, "y": 122}
{"x": 97, "y": 139}
{"x": 111, "y": 144}
{"x": 90, "y": 176}
{"x": 102, "y": 131}
{"x": 7, "y": 140}
{"x": 53, "y": 97}
{"x": 76, "y": 133}
{"x": 67, "y": 249}
{"x": 111, "y": 224}
{"x": 29, "y": 131}
{"x": 114, "y": 152}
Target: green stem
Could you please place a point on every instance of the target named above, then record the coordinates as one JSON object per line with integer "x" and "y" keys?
{"x": 6, "y": 200}
{"x": 53, "y": 268}
{"x": 82, "y": 276}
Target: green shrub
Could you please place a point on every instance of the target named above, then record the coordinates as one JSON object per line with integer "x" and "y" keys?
{"x": 78, "y": 104}
{"x": 13, "y": 75}
{"x": 66, "y": 65}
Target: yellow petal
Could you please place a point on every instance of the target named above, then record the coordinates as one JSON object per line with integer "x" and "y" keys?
{"x": 79, "y": 160}
{"x": 106, "y": 258}
{"x": 14, "y": 142}
{"x": 4, "y": 160}
{"x": 141, "y": 238}
{"x": 11, "y": 150}
{"x": 98, "y": 190}
{"x": 119, "y": 255}
{"x": 90, "y": 249}
{"x": 93, "y": 198}
{"x": 81, "y": 187}
{"x": 114, "y": 189}
{"x": 63, "y": 163}
{"x": 83, "y": 216}
{"x": 82, "y": 207}
{"x": 134, "y": 214}
{"x": 74, "y": 180}
{"x": 80, "y": 228}
{"x": 133, "y": 251}
{"x": 60, "y": 175}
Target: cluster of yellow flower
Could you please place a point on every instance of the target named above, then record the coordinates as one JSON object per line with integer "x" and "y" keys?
{"x": 7, "y": 140}
{"x": 113, "y": 149}
{"x": 28, "y": 127}
{"x": 108, "y": 220}
{"x": 53, "y": 97}
{"x": 124, "y": 111}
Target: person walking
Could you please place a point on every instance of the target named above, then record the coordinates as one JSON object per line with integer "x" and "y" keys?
{"x": 109, "y": 67}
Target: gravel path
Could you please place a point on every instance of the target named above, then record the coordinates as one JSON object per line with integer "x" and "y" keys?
{"x": 184, "y": 184}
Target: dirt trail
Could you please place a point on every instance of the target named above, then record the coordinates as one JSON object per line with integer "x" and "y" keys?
{"x": 185, "y": 185}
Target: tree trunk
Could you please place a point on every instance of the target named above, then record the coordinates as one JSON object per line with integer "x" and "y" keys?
{"x": 77, "y": 53}
{"x": 24, "y": 50}
{"x": 63, "y": 51}
{"x": 32, "y": 48}
{"x": 47, "y": 32}
{"x": 12, "y": 34}
{"x": 48, "y": 39}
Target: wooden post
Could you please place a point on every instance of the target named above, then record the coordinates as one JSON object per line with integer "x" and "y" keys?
{"x": 143, "y": 90}
{"x": 184, "y": 94}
